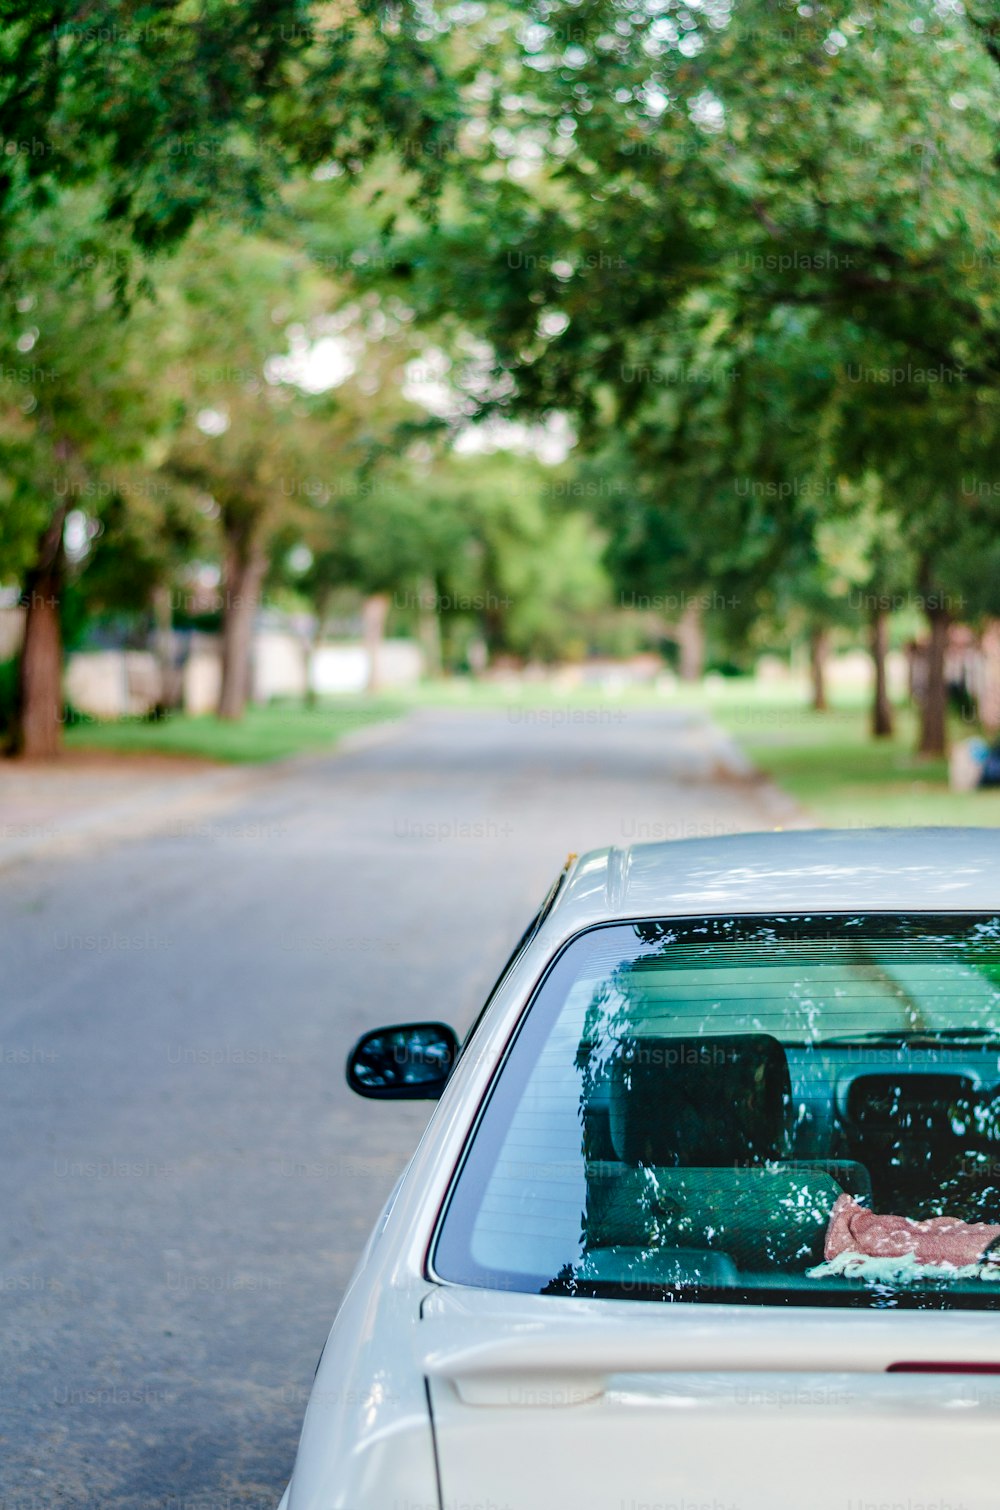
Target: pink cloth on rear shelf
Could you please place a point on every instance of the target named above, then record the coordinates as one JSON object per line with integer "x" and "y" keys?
{"x": 941, "y": 1240}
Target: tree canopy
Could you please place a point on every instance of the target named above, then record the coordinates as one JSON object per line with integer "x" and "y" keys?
{"x": 266, "y": 273}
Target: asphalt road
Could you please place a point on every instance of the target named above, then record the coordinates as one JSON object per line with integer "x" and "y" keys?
{"x": 185, "y": 1180}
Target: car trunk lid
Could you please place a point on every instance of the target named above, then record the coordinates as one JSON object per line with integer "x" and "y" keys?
{"x": 617, "y": 1405}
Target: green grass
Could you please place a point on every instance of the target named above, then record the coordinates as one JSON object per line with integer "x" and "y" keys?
{"x": 264, "y": 733}
{"x": 841, "y": 776}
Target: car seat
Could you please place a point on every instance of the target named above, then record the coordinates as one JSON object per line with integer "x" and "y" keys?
{"x": 701, "y": 1131}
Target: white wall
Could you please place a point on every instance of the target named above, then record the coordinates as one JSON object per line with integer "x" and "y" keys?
{"x": 11, "y": 632}
{"x": 122, "y": 683}
{"x": 344, "y": 667}
{"x": 112, "y": 683}
{"x": 279, "y": 665}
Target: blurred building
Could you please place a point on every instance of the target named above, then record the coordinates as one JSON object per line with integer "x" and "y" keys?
{"x": 121, "y": 680}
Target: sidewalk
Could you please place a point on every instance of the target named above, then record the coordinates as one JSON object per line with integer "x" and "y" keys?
{"x": 91, "y": 797}
{"x": 59, "y": 808}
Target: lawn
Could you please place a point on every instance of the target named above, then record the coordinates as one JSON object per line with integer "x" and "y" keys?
{"x": 841, "y": 776}
{"x": 264, "y": 733}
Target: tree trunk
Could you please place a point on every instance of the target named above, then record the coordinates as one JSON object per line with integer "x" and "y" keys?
{"x": 819, "y": 652}
{"x": 373, "y": 616}
{"x": 38, "y": 724}
{"x": 244, "y": 576}
{"x": 312, "y": 642}
{"x": 310, "y": 645}
{"x": 881, "y": 706}
{"x": 691, "y": 643}
{"x": 171, "y": 692}
{"x": 989, "y": 692}
{"x": 934, "y": 703}
{"x": 429, "y": 627}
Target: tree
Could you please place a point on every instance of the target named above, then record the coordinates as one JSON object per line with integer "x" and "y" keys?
{"x": 162, "y": 118}
{"x": 529, "y": 577}
{"x": 806, "y": 192}
{"x": 75, "y": 410}
{"x": 148, "y": 530}
{"x": 245, "y": 440}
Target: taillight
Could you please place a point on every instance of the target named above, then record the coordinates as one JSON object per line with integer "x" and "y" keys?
{"x": 943, "y": 1368}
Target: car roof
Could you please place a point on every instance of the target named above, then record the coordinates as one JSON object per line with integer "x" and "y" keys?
{"x": 795, "y": 871}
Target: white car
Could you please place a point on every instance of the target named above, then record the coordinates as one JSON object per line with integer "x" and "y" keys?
{"x": 707, "y": 1213}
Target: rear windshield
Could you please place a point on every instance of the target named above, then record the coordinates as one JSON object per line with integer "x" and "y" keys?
{"x": 797, "y": 1111}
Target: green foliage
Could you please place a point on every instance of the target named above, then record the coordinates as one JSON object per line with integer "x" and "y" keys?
{"x": 753, "y": 251}
{"x": 501, "y": 551}
{"x": 750, "y": 250}
{"x": 172, "y": 112}
{"x": 78, "y": 417}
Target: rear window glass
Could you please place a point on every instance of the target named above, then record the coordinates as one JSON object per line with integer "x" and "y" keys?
{"x": 796, "y": 1111}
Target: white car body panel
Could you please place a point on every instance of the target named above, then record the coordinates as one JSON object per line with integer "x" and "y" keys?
{"x": 612, "y": 1405}
{"x": 631, "y": 1403}
{"x": 366, "y": 1439}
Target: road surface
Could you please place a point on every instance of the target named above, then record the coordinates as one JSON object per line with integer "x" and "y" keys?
{"x": 186, "y": 1181}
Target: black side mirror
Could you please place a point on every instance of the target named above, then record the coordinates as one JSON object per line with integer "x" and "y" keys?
{"x": 409, "y": 1062}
